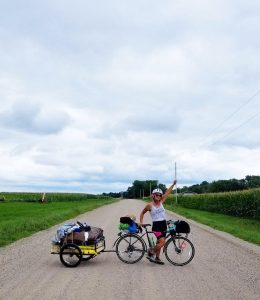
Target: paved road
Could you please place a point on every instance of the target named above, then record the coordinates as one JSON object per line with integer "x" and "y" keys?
{"x": 223, "y": 267}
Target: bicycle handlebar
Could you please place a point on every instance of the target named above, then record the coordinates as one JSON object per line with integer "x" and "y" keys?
{"x": 146, "y": 225}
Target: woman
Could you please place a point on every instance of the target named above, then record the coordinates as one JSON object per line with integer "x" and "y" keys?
{"x": 158, "y": 216}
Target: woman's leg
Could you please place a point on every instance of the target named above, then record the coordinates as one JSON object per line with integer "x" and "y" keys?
{"x": 160, "y": 243}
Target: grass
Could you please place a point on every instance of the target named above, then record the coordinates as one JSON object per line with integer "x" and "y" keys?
{"x": 246, "y": 229}
{"x": 19, "y": 220}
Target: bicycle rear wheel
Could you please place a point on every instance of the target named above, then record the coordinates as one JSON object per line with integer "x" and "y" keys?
{"x": 179, "y": 251}
{"x": 130, "y": 248}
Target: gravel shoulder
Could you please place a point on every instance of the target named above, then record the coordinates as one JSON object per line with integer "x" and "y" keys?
{"x": 224, "y": 267}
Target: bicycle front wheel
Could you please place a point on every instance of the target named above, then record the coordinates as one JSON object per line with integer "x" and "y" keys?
{"x": 179, "y": 251}
{"x": 130, "y": 248}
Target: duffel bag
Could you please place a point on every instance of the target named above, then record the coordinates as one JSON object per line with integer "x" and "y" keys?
{"x": 77, "y": 238}
{"x": 95, "y": 233}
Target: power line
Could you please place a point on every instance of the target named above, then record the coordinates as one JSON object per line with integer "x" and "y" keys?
{"x": 230, "y": 116}
{"x": 239, "y": 126}
{"x": 225, "y": 120}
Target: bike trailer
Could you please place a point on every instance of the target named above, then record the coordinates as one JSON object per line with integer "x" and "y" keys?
{"x": 90, "y": 239}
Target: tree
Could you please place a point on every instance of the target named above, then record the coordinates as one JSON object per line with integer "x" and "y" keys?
{"x": 252, "y": 181}
{"x": 142, "y": 188}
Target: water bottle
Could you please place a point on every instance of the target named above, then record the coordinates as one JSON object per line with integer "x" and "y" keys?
{"x": 151, "y": 241}
{"x": 172, "y": 226}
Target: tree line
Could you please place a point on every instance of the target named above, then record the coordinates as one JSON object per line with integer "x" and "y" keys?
{"x": 249, "y": 182}
{"x": 140, "y": 189}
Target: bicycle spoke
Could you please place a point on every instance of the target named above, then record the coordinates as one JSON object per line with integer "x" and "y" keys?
{"x": 179, "y": 251}
{"x": 130, "y": 248}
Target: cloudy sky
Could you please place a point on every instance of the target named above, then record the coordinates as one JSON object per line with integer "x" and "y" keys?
{"x": 97, "y": 94}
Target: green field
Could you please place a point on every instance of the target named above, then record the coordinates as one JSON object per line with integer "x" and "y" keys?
{"x": 21, "y": 219}
{"x": 21, "y": 214}
{"x": 49, "y": 197}
{"x": 246, "y": 229}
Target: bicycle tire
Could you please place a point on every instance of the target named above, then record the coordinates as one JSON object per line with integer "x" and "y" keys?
{"x": 70, "y": 255}
{"x": 87, "y": 257}
{"x": 179, "y": 251}
{"x": 130, "y": 248}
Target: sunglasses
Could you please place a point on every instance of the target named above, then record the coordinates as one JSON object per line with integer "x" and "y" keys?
{"x": 158, "y": 195}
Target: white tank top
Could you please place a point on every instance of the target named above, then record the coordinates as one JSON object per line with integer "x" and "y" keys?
{"x": 157, "y": 213}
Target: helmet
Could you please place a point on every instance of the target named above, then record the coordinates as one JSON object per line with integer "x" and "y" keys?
{"x": 157, "y": 191}
{"x": 132, "y": 217}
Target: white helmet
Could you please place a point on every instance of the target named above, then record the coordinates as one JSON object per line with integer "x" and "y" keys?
{"x": 157, "y": 191}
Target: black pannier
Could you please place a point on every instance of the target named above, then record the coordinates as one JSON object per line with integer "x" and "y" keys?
{"x": 182, "y": 227}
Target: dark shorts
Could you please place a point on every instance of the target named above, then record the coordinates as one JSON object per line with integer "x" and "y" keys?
{"x": 159, "y": 228}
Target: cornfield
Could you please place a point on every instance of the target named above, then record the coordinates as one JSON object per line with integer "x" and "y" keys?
{"x": 49, "y": 197}
{"x": 240, "y": 204}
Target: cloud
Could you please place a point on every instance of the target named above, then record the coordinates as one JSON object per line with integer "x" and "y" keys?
{"x": 30, "y": 118}
{"x": 98, "y": 95}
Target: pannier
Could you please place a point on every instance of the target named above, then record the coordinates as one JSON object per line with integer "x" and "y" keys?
{"x": 182, "y": 227}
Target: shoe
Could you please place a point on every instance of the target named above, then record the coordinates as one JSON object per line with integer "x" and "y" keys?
{"x": 158, "y": 261}
{"x": 151, "y": 258}
{"x": 150, "y": 253}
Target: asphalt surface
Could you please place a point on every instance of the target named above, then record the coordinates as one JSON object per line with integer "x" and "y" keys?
{"x": 223, "y": 267}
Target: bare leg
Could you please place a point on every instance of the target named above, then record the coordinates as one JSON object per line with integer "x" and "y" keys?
{"x": 160, "y": 243}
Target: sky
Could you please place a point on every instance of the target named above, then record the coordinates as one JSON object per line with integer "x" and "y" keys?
{"x": 97, "y": 94}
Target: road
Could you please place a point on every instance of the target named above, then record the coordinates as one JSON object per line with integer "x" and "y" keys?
{"x": 223, "y": 267}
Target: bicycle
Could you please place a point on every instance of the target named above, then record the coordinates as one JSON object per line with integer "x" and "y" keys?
{"x": 178, "y": 249}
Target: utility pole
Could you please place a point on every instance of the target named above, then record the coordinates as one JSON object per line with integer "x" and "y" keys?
{"x": 176, "y": 193}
